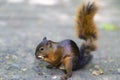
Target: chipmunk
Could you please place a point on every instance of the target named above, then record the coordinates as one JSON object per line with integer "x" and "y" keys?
{"x": 66, "y": 52}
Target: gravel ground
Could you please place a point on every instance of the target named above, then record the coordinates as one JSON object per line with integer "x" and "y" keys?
{"x": 23, "y": 23}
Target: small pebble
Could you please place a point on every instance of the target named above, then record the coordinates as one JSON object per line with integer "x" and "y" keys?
{"x": 36, "y": 69}
{"x": 7, "y": 57}
{"x": 54, "y": 77}
{"x": 12, "y": 67}
{"x": 111, "y": 60}
{"x": 97, "y": 66}
{"x": 14, "y": 57}
{"x": 24, "y": 69}
{"x": 40, "y": 73}
{"x": 97, "y": 72}
{"x": 90, "y": 70}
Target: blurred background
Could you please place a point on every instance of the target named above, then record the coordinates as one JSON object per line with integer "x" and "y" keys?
{"x": 23, "y": 24}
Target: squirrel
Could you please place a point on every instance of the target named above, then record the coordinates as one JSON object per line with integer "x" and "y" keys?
{"x": 66, "y": 52}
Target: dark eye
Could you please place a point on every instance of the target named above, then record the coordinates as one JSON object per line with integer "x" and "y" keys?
{"x": 41, "y": 49}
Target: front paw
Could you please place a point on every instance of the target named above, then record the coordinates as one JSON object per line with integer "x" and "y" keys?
{"x": 64, "y": 77}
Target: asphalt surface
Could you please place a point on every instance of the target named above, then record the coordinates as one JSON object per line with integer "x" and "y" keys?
{"x": 23, "y": 24}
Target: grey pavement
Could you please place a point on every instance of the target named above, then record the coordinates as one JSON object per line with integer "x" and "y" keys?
{"x": 23, "y": 24}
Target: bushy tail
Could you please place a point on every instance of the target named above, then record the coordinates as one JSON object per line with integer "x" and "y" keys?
{"x": 84, "y": 24}
{"x": 86, "y": 29}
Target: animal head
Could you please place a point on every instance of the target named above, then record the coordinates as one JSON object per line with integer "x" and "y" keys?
{"x": 43, "y": 48}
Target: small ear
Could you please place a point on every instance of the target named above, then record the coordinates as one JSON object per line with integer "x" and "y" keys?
{"x": 49, "y": 43}
{"x": 45, "y": 38}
